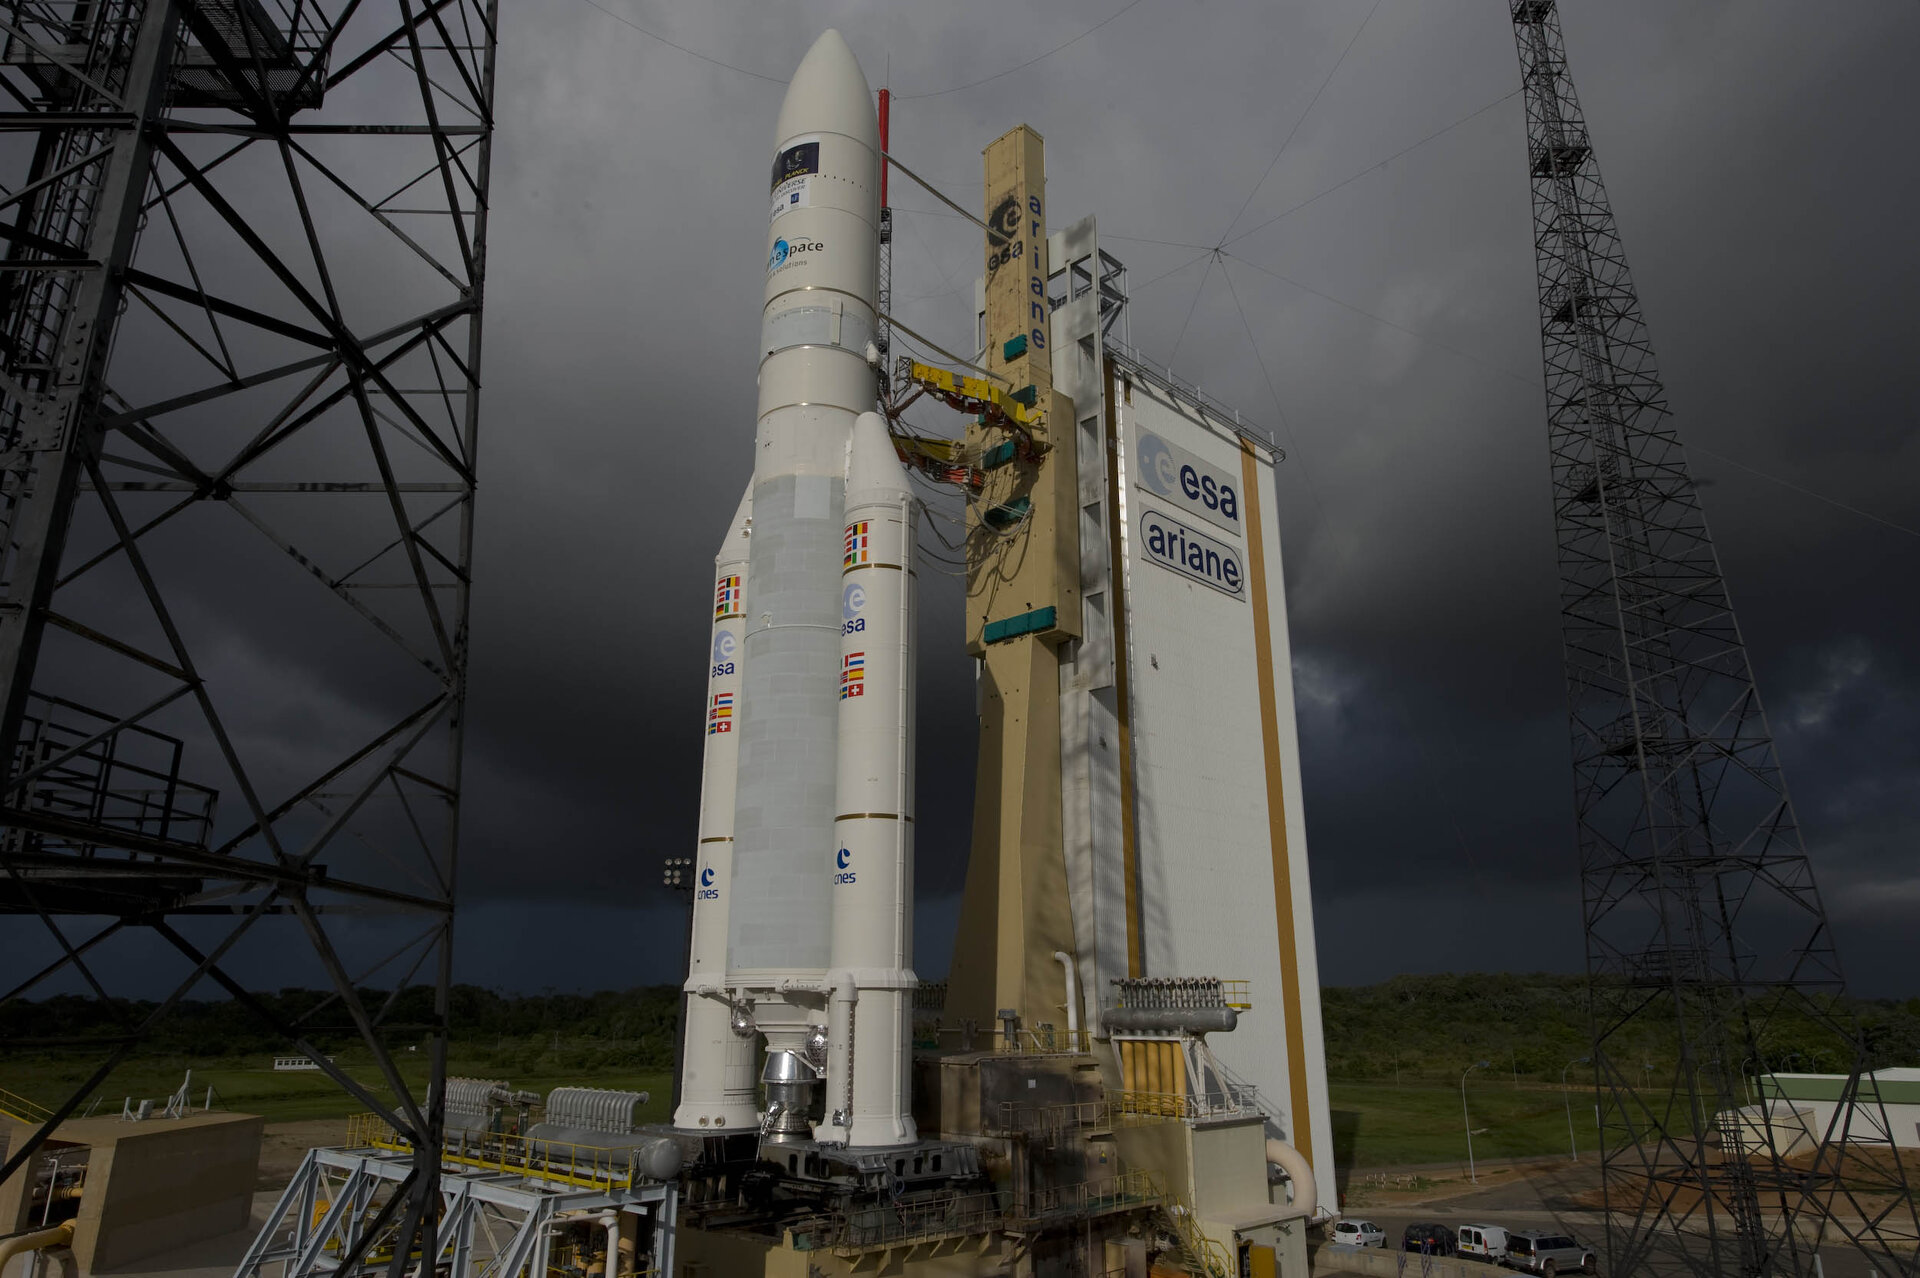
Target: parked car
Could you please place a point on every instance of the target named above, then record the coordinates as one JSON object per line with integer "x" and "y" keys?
{"x": 1429, "y": 1238}
{"x": 1359, "y": 1233}
{"x": 1543, "y": 1253}
{"x": 1484, "y": 1242}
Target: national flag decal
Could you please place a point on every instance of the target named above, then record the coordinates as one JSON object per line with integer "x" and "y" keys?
{"x": 720, "y": 714}
{"x": 853, "y": 675}
{"x": 726, "y": 598}
{"x": 858, "y": 549}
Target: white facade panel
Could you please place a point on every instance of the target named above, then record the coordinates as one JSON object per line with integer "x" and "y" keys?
{"x": 1203, "y": 809}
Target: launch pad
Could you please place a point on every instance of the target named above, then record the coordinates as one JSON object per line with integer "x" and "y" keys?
{"x": 1123, "y": 1074}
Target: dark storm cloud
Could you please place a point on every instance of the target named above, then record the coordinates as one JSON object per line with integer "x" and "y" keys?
{"x": 1395, "y": 318}
{"x": 1383, "y": 325}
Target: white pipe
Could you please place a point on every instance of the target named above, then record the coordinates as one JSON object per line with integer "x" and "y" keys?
{"x": 1073, "y": 992}
{"x": 1306, "y": 1193}
{"x": 903, "y": 798}
{"x": 610, "y": 1222}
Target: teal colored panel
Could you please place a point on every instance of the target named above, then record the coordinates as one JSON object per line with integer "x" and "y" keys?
{"x": 1024, "y": 624}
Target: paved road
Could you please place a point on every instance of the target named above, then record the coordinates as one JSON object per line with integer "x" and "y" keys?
{"x": 1544, "y": 1200}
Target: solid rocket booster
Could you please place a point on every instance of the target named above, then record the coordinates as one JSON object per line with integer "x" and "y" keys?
{"x": 716, "y": 1069}
{"x": 869, "y": 1072}
{"x": 822, "y": 248}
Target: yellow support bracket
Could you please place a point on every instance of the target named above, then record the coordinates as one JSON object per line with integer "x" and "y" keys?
{"x": 975, "y": 394}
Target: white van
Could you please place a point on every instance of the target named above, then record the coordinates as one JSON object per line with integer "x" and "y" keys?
{"x": 1484, "y": 1242}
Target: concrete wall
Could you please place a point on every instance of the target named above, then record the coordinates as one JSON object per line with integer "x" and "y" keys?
{"x": 15, "y": 1200}
{"x": 153, "y": 1186}
{"x": 1385, "y": 1263}
{"x": 705, "y": 1255}
{"x": 165, "y": 1184}
{"x": 1230, "y": 1170}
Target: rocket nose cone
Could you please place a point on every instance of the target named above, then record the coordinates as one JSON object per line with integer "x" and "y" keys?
{"x": 828, "y": 94}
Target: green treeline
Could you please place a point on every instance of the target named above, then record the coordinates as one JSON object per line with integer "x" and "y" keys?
{"x": 1409, "y": 1028}
{"x": 1533, "y": 1024}
{"x": 624, "y": 1029}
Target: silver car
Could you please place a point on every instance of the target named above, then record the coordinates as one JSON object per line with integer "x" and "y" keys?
{"x": 1539, "y": 1252}
{"x": 1358, "y": 1233}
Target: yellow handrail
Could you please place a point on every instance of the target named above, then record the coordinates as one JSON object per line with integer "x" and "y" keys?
{"x": 1045, "y": 1040}
{"x": 560, "y": 1162}
{"x": 22, "y": 1110}
{"x": 1205, "y": 1257}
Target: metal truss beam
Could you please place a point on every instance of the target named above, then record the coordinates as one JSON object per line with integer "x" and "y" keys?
{"x": 339, "y": 1205}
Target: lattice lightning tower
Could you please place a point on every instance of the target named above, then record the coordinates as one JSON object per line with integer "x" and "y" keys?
{"x": 1703, "y": 923}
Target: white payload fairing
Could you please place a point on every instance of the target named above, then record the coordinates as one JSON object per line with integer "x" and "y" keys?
{"x": 802, "y": 917}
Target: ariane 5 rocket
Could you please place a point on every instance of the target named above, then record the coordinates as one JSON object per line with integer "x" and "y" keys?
{"x": 802, "y": 931}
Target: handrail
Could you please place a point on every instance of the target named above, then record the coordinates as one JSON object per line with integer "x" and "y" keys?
{"x": 1022, "y": 1118}
{"x": 20, "y": 1109}
{"x": 1178, "y": 388}
{"x": 559, "y": 1162}
{"x": 1242, "y": 1101}
{"x": 1043, "y": 1040}
{"x": 1205, "y": 1257}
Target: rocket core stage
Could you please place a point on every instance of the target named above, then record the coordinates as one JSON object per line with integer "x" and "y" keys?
{"x": 807, "y": 872}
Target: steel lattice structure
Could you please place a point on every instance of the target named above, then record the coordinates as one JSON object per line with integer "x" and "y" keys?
{"x": 240, "y": 304}
{"x": 1702, "y": 917}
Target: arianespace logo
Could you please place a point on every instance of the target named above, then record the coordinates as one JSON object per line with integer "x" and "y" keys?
{"x": 1170, "y": 471}
{"x": 1191, "y": 553}
{"x": 786, "y": 252}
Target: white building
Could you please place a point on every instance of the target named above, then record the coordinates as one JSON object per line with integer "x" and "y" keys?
{"x": 1815, "y": 1098}
{"x": 1184, "y": 825}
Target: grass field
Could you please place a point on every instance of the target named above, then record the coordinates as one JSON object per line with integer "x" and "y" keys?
{"x": 250, "y": 1085}
{"x": 1374, "y": 1124}
{"x": 1389, "y": 1125}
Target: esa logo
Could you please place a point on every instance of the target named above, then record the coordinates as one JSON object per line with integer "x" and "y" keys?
{"x": 851, "y": 602}
{"x": 785, "y": 251}
{"x": 1179, "y": 476}
{"x": 707, "y": 891}
{"x": 841, "y": 859}
{"x": 724, "y": 648}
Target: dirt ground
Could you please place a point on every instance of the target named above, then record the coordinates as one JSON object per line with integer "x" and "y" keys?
{"x": 1542, "y": 1184}
{"x": 285, "y": 1144}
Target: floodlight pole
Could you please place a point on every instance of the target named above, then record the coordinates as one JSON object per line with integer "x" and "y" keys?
{"x": 1467, "y": 1119}
{"x": 1568, "y": 1098}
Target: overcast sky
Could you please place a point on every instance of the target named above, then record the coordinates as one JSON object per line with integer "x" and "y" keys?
{"x": 1374, "y": 306}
